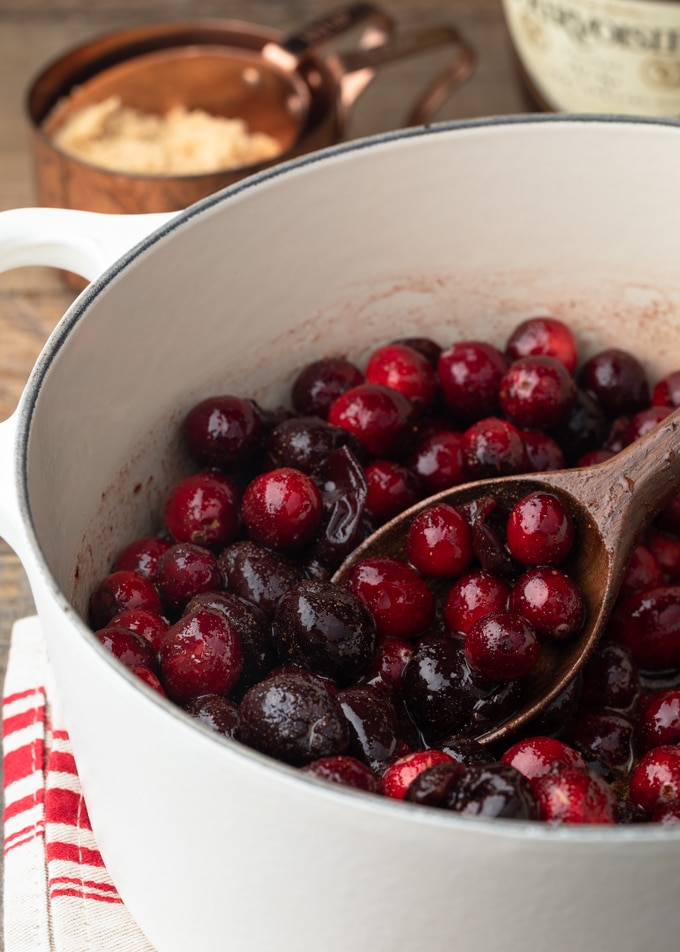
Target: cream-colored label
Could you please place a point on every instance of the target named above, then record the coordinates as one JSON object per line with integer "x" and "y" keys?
{"x": 611, "y": 56}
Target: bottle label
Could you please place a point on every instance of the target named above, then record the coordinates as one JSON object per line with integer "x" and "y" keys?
{"x": 608, "y": 56}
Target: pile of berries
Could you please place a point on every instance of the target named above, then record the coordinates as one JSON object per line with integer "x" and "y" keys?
{"x": 387, "y": 682}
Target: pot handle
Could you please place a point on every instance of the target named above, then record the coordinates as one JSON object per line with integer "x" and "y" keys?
{"x": 83, "y": 242}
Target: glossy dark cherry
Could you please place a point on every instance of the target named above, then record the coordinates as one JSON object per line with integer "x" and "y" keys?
{"x": 665, "y": 547}
{"x": 257, "y": 574}
{"x": 183, "y": 571}
{"x": 216, "y": 712}
{"x": 470, "y": 373}
{"x": 203, "y": 508}
{"x": 395, "y": 594}
{"x": 439, "y": 542}
{"x": 404, "y": 369}
{"x": 584, "y": 430}
{"x": 391, "y": 488}
{"x": 495, "y": 790}
{"x": 438, "y": 461}
{"x": 648, "y": 623}
{"x": 400, "y": 775}
{"x": 282, "y": 509}
{"x": 540, "y": 530}
{"x": 437, "y": 786}
{"x": 345, "y": 770}
{"x": 373, "y": 728}
{"x": 142, "y": 555}
{"x": 304, "y": 443}
{"x": 493, "y": 447}
{"x": 610, "y": 678}
{"x": 387, "y": 666}
{"x": 618, "y": 381}
{"x": 550, "y": 601}
{"x": 604, "y": 737}
{"x": 537, "y": 393}
{"x": 120, "y": 591}
{"x": 200, "y": 654}
{"x": 472, "y": 596}
{"x": 319, "y": 384}
{"x": 223, "y": 431}
{"x": 381, "y": 418}
{"x": 502, "y": 646}
{"x": 546, "y": 336}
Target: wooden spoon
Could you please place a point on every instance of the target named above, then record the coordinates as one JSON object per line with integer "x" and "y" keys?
{"x": 611, "y": 504}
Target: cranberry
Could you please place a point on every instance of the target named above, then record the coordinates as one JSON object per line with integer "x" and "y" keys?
{"x": 668, "y": 814}
{"x": 648, "y": 623}
{"x": 540, "y": 530}
{"x": 617, "y": 379}
{"x": 344, "y": 770}
{"x": 257, "y": 574}
{"x": 473, "y": 596}
{"x": 594, "y": 458}
{"x": 605, "y": 737}
{"x": 666, "y": 550}
{"x": 644, "y": 421}
{"x": 149, "y": 677}
{"x": 655, "y": 781}
{"x": 643, "y": 571}
{"x": 388, "y": 664}
{"x": 395, "y": 594}
{"x": 493, "y": 447}
{"x": 223, "y": 431}
{"x": 391, "y": 488}
{"x": 470, "y": 373}
{"x": 282, "y": 509}
{"x": 215, "y": 712}
{"x": 610, "y": 678}
{"x": 616, "y": 438}
{"x": 537, "y": 393}
{"x": 400, "y": 775}
{"x": 666, "y": 392}
{"x": 200, "y": 654}
{"x": 204, "y": 509}
{"x": 543, "y": 453}
{"x": 495, "y": 790}
{"x": 550, "y": 601}
{"x": 380, "y": 417}
{"x": 405, "y": 369}
{"x": 293, "y": 719}
{"x": 658, "y": 725}
{"x": 120, "y": 591}
{"x": 325, "y": 629}
{"x": 372, "y": 720}
{"x": 319, "y": 384}
{"x": 536, "y": 756}
{"x": 429, "y": 348}
{"x": 438, "y": 461}
{"x": 304, "y": 443}
{"x": 572, "y": 795}
{"x": 142, "y": 555}
{"x": 183, "y": 571}
{"x": 547, "y": 336}
{"x": 439, "y": 541}
{"x": 502, "y": 646}
{"x": 669, "y": 517}
{"x": 129, "y": 647}
{"x": 149, "y": 625}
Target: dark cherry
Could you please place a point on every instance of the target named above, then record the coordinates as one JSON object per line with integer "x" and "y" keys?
{"x": 404, "y": 369}
{"x": 537, "y": 393}
{"x": 381, "y": 418}
{"x": 489, "y": 539}
{"x": 669, "y": 517}
{"x": 436, "y": 786}
{"x": 215, "y": 712}
{"x": 644, "y": 571}
{"x": 282, "y": 509}
{"x": 344, "y": 491}
{"x": 304, "y": 443}
{"x": 550, "y": 601}
{"x": 655, "y": 781}
{"x": 547, "y": 336}
{"x": 665, "y": 547}
{"x": 320, "y": 383}
{"x": 149, "y": 677}
{"x": 120, "y": 591}
{"x": 183, "y": 571}
{"x": 610, "y": 678}
{"x": 495, "y": 790}
{"x": 395, "y": 594}
{"x": 325, "y": 629}
{"x": 466, "y": 750}
{"x": 149, "y": 625}
{"x": 666, "y": 392}
{"x": 142, "y": 555}
{"x": 438, "y": 461}
{"x": 540, "y": 530}
{"x": 387, "y": 666}
{"x": 345, "y": 770}
{"x": 617, "y": 434}
{"x": 391, "y": 488}
{"x": 439, "y": 542}
{"x": 470, "y": 373}
{"x": 430, "y": 349}
{"x": 594, "y": 458}
{"x": 605, "y": 737}
{"x": 130, "y": 648}
{"x": 617, "y": 379}
{"x": 573, "y": 795}
{"x": 493, "y": 447}
{"x": 472, "y": 596}
{"x": 223, "y": 431}
{"x": 585, "y": 428}
{"x": 558, "y": 714}
{"x": 538, "y": 755}
{"x": 203, "y": 508}
{"x": 399, "y": 776}
{"x": 668, "y": 814}
{"x": 648, "y": 623}
{"x": 372, "y": 720}
{"x": 257, "y": 574}
{"x": 658, "y": 724}
{"x": 293, "y": 719}
{"x": 200, "y": 654}
{"x": 543, "y": 453}
{"x": 502, "y": 646}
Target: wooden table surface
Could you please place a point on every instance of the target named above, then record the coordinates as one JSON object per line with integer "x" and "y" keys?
{"x": 32, "y": 32}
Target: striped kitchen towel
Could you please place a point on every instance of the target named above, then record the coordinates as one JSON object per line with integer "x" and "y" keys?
{"x": 58, "y": 896}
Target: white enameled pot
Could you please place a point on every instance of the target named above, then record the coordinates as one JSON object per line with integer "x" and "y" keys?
{"x": 453, "y": 231}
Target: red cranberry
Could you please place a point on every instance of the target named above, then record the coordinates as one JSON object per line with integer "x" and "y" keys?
{"x": 204, "y": 509}
{"x": 594, "y": 458}
{"x": 200, "y": 654}
{"x": 666, "y": 550}
{"x": 404, "y": 369}
{"x": 668, "y": 814}
{"x": 666, "y": 393}
{"x": 493, "y": 447}
{"x": 618, "y": 380}
{"x": 120, "y": 591}
{"x": 257, "y": 574}
{"x": 536, "y": 756}
{"x": 616, "y": 438}
{"x": 546, "y": 336}
{"x": 470, "y": 373}
{"x": 495, "y": 790}
{"x": 439, "y": 541}
{"x": 438, "y": 461}
{"x": 605, "y": 737}
{"x": 372, "y": 722}
{"x": 129, "y": 647}
{"x": 643, "y": 571}
{"x": 648, "y": 623}
{"x": 380, "y": 417}
{"x": 572, "y": 795}
{"x": 502, "y": 646}
{"x": 215, "y": 712}
{"x": 282, "y": 509}
{"x": 610, "y": 678}
{"x": 658, "y": 725}
{"x": 149, "y": 625}
{"x": 223, "y": 431}
{"x": 395, "y": 594}
{"x": 391, "y": 489}
{"x": 542, "y": 451}
{"x": 183, "y": 571}
{"x": 142, "y": 555}
{"x": 344, "y": 770}
{"x": 540, "y": 530}
{"x": 537, "y": 393}
{"x": 473, "y": 596}
{"x": 400, "y": 775}
{"x": 325, "y": 629}
{"x": 644, "y": 421}
{"x": 319, "y": 384}
{"x": 293, "y": 719}
{"x": 149, "y": 678}
{"x": 655, "y": 781}
{"x": 550, "y": 601}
